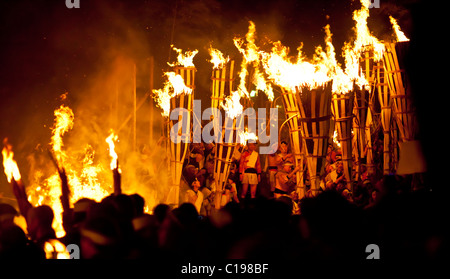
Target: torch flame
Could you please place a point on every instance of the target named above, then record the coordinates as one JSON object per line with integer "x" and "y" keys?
{"x": 344, "y": 80}
{"x": 251, "y": 56}
{"x": 232, "y": 106}
{"x": 82, "y": 175}
{"x": 292, "y": 72}
{"x": 399, "y": 33}
{"x": 245, "y": 136}
{"x": 363, "y": 35}
{"x": 63, "y": 123}
{"x": 9, "y": 164}
{"x": 217, "y": 58}
{"x": 335, "y": 139}
{"x": 172, "y": 87}
{"x": 186, "y": 59}
{"x": 110, "y": 140}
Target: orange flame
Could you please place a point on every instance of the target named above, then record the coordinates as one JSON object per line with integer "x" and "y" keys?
{"x": 110, "y": 140}
{"x": 364, "y": 37}
{"x": 335, "y": 139}
{"x": 217, "y": 58}
{"x": 398, "y": 33}
{"x": 245, "y": 136}
{"x": 186, "y": 59}
{"x": 9, "y": 164}
{"x": 172, "y": 87}
{"x": 82, "y": 176}
{"x": 232, "y": 105}
{"x": 63, "y": 123}
{"x": 251, "y": 56}
{"x": 344, "y": 80}
{"x": 293, "y": 72}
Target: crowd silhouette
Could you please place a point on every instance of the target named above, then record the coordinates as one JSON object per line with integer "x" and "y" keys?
{"x": 400, "y": 219}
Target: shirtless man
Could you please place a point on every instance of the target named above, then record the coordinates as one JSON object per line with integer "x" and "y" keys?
{"x": 285, "y": 179}
{"x": 250, "y": 170}
{"x": 284, "y": 156}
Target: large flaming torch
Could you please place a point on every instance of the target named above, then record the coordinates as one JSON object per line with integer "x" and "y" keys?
{"x": 360, "y": 57}
{"x": 114, "y": 165}
{"x": 291, "y": 111}
{"x": 222, "y": 82}
{"x": 342, "y": 107}
{"x": 178, "y": 94}
{"x": 310, "y": 82}
{"x": 403, "y": 108}
{"x": 385, "y": 100}
{"x": 9, "y": 164}
{"x": 13, "y": 176}
{"x": 315, "y": 115}
{"x": 222, "y": 77}
{"x": 229, "y": 141}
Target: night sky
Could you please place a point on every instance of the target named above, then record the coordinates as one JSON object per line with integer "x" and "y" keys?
{"x": 47, "y": 49}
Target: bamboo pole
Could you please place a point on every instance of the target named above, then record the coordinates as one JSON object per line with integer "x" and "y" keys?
{"x": 224, "y": 153}
{"x": 178, "y": 149}
{"x": 360, "y": 127}
{"x": 134, "y": 108}
{"x": 367, "y": 63}
{"x": 222, "y": 84}
{"x": 385, "y": 102}
{"x": 402, "y": 104}
{"x": 342, "y": 108}
{"x": 151, "y": 85}
{"x": 291, "y": 110}
{"x": 315, "y": 116}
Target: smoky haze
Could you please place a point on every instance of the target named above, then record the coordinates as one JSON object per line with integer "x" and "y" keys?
{"x": 48, "y": 50}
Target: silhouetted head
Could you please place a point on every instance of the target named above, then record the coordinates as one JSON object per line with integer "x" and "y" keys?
{"x": 39, "y": 222}
{"x": 138, "y": 203}
{"x": 160, "y": 211}
{"x": 7, "y": 214}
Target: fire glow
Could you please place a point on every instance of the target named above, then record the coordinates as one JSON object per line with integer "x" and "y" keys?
{"x": 111, "y": 139}
{"x": 277, "y": 67}
{"x": 9, "y": 164}
{"x": 83, "y": 176}
{"x": 217, "y": 58}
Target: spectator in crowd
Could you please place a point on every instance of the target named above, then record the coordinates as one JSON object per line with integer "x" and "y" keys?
{"x": 286, "y": 180}
{"x": 250, "y": 170}
{"x": 333, "y": 225}
{"x": 195, "y": 196}
{"x": 230, "y": 193}
{"x": 336, "y": 176}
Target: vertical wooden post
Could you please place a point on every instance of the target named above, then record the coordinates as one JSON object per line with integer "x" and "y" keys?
{"x": 291, "y": 110}
{"x": 134, "y": 108}
{"x": 116, "y": 124}
{"x": 152, "y": 65}
{"x": 315, "y": 118}
{"x": 342, "y": 107}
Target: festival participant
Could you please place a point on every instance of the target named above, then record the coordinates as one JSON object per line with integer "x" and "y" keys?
{"x": 250, "y": 170}
{"x": 331, "y": 155}
{"x": 335, "y": 176}
{"x": 230, "y": 193}
{"x": 284, "y": 156}
{"x": 285, "y": 180}
{"x": 195, "y": 196}
{"x": 272, "y": 164}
